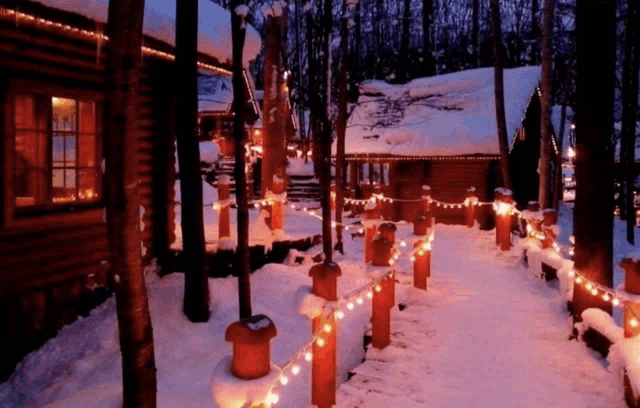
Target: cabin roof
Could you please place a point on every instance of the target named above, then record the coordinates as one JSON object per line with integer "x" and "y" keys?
{"x": 444, "y": 115}
{"x": 214, "y": 24}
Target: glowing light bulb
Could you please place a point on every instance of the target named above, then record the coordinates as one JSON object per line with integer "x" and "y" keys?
{"x": 413, "y": 258}
{"x": 304, "y": 209}
{"x": 256, "y": 205}
{"x": 327, "y": 327}
{"x": 369, "y": 295}
{"x": 339, "y": 314}
{"x": 293, "y": 206}
{"x": 361, "y": 230}
{"x": 378, "y": 288}
{"x": 307, "y": 356}
{"x": 578, "y": 279}
{"x": 284, "y": 380}
{"x": 295, "y": 370}
{"x": 571, "y": 274}
{"x": 588, "y": 286}
{"x": 359, "y": 301}
{"x": 391, "y": 262}
{"x": 350, "y": 306}
{"x": 421, "y": 252}
{"x": 633, "y": 322}
{"x": 594, "y": 292}
{"x": 333, "y": 224}
{"x": 606, "y": 297}
{"x": 615, "y": 301}
{"x": 320, "y": 342}
{"x": 272, "y": 399}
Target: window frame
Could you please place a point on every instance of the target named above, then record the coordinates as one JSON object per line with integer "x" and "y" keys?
{"x": 13, "y": 213}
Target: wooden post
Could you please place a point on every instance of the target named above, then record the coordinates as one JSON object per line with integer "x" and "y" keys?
{"x": 377, "y": 191}
{"x": 388, "y": 231}
{"x": 277, "y": 207}
{"x": 383, "y": 297}
{"x": 333, "y": 196}
{"x": 550, "y": 219}
{"x": 503, "y": 219}
{"x": 251, "y": 348}
{"x": 497, "y": 197}
{"x": 425, "y": 204}
{"x": 224, "y": 217}
{"x": 470, "y": 203}
{"x": 370, "y": 230}
{"x": 421, "y": 265}
{"x": 421, "y": 225}
{"x": 323, "y": 364}
{"x": 631, "y": 315}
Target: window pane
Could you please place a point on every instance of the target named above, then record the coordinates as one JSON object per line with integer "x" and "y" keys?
{"x": 64, "y": 114}
{"x": 30, "y": 176}
{"x": 87, "y": 117}
{"x": 64, "y": 186}
{"x": 89, "y": 187}
{"x": 70, "y": 151}
{"x": 57, "y": 150}
{"x": 58, "y": 178}
{"x": 87, "y": 150}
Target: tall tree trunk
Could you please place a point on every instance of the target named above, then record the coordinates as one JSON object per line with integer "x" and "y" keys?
{"x": 630, "y": 111}
{"x": 378, "y": 37}
{"x": 124, "y": 29}
{"x": 499, "y": 94}
{"x": 325, "y": 180}
{"x": 358, "y": 45}
{"x": 593, "y": 211}
{"x": 300, "y": 86}
{"x": 312, "y": 88}
{"x": 558, "y": 189}
{"x": 196, "y": 286}
{"x": 341, "y": 125}
{"x": 238, "y": 32}
{"x": 545, "y": 106}
{"x": 404, "y": 49}
{"x": 535, "y": 34}
{"x": 475, "y": 31}
{"x": 271, "y": 137}
{"x": 427, "y": 47}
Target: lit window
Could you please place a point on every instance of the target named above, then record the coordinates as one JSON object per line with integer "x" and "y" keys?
{"x": 58, "y": 163}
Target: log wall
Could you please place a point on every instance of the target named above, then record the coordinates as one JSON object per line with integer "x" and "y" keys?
{"x": 55, "y": 266}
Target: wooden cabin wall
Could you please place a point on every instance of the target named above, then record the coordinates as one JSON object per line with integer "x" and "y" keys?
{"x": 54, "y": 266}
{"x": 449, "y": 180}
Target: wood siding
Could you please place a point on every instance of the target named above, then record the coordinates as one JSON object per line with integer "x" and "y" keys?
{"x": 54, "y": 266}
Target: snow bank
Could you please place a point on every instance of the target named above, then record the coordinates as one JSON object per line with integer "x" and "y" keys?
{"x": 602, "y": 322}
{"x": 231, "y": 392}
{"x": 624, "y": 356}
{"x": 214, "y": 25}
{"x": 445, "y": 115}
{"x": 307, "y": 304}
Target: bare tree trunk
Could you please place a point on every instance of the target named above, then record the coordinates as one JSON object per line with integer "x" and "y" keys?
{"x": 301, "y": 113}
{"x": 499, "y": 94}
{"x": 378, "y": 36}
{"x": 629, "y": 111}
{"x": 404, "y": 49}
{"x": 124, "y": 29}
{"x": 325, "y": 180}
{"x": 313, "y": 102}
{"x": 196, "y": 285}
{"x": 427, "y": 47}
{"x": 545, "y": 106}
{"x": 593, "y": 211}
{"x": 238, "y": 32}
{"x": 475, "y": 31}
{"x": 535, "y": 34}
{"x": 341, "y": 125}
{"x": 358, "y": 45}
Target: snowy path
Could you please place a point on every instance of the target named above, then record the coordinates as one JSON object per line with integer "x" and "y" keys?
{"x": 485, "y": 335}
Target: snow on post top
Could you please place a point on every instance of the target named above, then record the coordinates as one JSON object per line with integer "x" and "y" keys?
{"x": 503, "y": 191}
{"x": 214, "y": 25}
{"x": 224, "y": 179}
{"x": 444, "y": 115}
{"x": 426, "y": 188}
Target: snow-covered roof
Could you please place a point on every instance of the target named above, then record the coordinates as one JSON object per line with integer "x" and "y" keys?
{"x": 445, "y": 115}
{"x": 214, "y": 24}
{"x": 215, "y": 92}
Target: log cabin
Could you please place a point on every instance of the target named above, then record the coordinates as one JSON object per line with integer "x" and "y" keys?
{"x": 53, "y": 234}
{"x": 441, "y": 132}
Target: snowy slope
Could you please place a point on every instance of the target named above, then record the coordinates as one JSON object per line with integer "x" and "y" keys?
{"x": 214, "y": 24}
{"x": 445, "y": 115}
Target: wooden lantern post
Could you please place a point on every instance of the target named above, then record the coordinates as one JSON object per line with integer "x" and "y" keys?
{"x": 251, "y": 346}
{"x": 323, "y": 364}
{"x": 370, "y": 224}
{"x": 421, "y": 264}
{"x": 503, "y": 218}
{"x": 550, "y": 218}
{"x": 224, "y": 216}
{"x": 470, "y": 203}
{"x": 277, "y": 207}
{"x": 383, "y": 296}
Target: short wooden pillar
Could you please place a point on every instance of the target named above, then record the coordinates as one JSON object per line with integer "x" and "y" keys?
{"x": 333, "y": 196}
{"x": 503, "y": 207}
{"x": 550, "y": 218}
{"x": 224, "y": 216}
{"x": 370, "y": 224}
{"x": 470, "y": 202}
{"x": 277, "y": 206}
{"x": 383, "y": 297}
{"x": 251, "y": 346}
{"x": 323, "y": 363}
{"x": 421, "y": 225}
{"x": 425, "y": 202}
{"x": 388, "y": 231}
{"x": 421, "y": 264}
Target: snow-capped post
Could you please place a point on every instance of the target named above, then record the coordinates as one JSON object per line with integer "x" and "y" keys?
{"x": 503, "y": 208}
{"x": 277, "y": 206}
{"x": 323, "y": 363}
{"x": 470, "y": 202}
{"x": 388, "y": 231}
{"x": 631, "y": 268}
{"x": 383, "y": 296}
{"x": 421, "y": 265}
{"x": 224, "y": 201}
{"x": 549, "y": 227}
{"x": 251, "y": 339}
{"x": 370, "y": 224}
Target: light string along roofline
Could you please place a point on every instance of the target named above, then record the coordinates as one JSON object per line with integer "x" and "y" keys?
{"x": 336, "y": 311}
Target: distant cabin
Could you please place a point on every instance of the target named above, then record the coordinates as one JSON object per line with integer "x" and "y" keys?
{"x": 53, "y": 235}
{"x": 441, "y": 131}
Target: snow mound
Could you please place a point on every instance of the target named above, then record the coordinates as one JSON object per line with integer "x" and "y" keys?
{"x": 230, "y": 392}
{"x": 307, "y": 304}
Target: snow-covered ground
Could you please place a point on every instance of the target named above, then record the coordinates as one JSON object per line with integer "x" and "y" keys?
{"x": 485, "y": 334}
